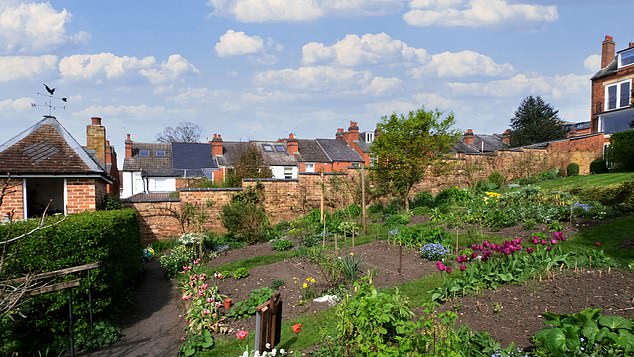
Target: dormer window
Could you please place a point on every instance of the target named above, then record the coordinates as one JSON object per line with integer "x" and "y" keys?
{"x": 618, "y": 95}
{"x": 279, "y": 148}
{"x": 160, "y": 153}
{"x": 267, "y": 147}
{"x": 626, "y": 57}
{"x": 144, "y": 153}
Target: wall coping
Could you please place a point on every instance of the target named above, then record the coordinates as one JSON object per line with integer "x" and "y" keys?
{"x": 268, "y": 180}
{"x": 213, "y": 189}
{"x": 325, "y": 173}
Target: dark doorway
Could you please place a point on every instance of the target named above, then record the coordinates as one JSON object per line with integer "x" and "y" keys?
{"x": 41, "y": 191}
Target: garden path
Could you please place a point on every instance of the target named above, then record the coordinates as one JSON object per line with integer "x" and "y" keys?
{"x": 152, "y": 327}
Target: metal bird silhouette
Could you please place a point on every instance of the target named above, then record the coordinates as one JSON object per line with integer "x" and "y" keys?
{"x": 49, "y": 90}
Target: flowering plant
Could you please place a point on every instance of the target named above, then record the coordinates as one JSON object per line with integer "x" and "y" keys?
{"x": 202, "y": 301}
{"x": 434, "y": 251}
{"x": 297, "y": 328}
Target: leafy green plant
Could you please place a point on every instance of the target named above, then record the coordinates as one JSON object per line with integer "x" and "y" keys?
{"x": 586, "y": 333}
{"x": 196, "y": 343}
{"x": 246, "y": 308}
{"x": 103, "y": 334}
{"x": 277, "y": 283}
{"x": 497, "y": 179}
{"x": 572, "y": 169}
{"x": 281, "y": 244}
{"x": 241, "y": 273}
{"x": 244, "y": 217}
{"x": 598, "y": 166}
{"x": 350, "y": 266}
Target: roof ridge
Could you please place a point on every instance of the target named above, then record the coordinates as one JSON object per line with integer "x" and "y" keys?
{"x": 324, "y": 151}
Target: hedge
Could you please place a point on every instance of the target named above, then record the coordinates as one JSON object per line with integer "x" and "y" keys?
{"x": 108, "y": 237}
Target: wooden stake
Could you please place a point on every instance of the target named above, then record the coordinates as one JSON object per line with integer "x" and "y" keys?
{"x": 400, "y": 259}
{"x": 322, "y": 204}
{"x": 365, "y": 221}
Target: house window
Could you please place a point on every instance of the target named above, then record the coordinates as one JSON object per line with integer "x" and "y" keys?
{"x": 288, "y": 172}
{"x": 280, "y": 148}
{"x": 144, "y": 153}
{"x": 310, "y": 167}
{"x": 618, "y": 95}
{"x": 626, "y": 58}
{"x": 267, "y": 147}
{"x": 369, "y": 137}
{"x": 160, "y": 153}
{"x": 356, "y": 165}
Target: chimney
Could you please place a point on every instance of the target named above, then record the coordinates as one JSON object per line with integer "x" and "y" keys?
{"x": 339, "y": 134}
{"x": 108, "y": 152}
{"x": 128, "y": 147}
{"x": 607, "y": 51}
{"x": 292, "y": 145}
{"x": 96, "y": 140}
{"x": 468, "y": 137}
{"x": 506, "y": 137}
{"x": 353, "y": 132}
{"x": 216, "y": 145}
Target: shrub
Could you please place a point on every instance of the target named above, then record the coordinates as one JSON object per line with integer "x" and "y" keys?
{"x": 350, "y": 267}
{"x": 108, "y": 237}
{"x": 244, "y": 217}
{"x": 452, "y": 195}
{"x": 497, "y": 179}
{"x": 174, "y": 262}
{"x": 396, "y": 220}
{"x": 420, "y": 234}
{"x": 572, "y": 169}
{"x": 422, "y": 199}
{"x": 621, "y": 152}
{"x": 281, "y": 244}
{"x": 598, "y": 166}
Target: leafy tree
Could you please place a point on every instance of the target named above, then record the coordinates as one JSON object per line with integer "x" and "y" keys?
{"x": 244, "y": 217}
{"x": 535, "y": 121}
{"x": 184, "y": 132}
{"x": 407, "y": 146}
{"x": 621, "y": 150}
{"x": 250, "y": 164}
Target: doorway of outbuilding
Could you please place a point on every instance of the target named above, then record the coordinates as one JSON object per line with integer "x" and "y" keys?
{"x": 41, "y": 191}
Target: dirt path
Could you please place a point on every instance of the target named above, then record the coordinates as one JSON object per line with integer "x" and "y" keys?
{"x": 152, "y": 327}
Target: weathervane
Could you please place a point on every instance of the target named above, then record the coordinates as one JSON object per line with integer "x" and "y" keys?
{"x": 49, "y": 102}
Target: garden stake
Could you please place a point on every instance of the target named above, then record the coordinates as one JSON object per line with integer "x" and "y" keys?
{"x": 599, "y": 273}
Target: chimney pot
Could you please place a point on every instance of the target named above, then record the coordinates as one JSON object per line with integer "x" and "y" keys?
{"x": 631, "y": 45}
{"x": 291, "y": 136}
{"x": 128, "y": 137}
{"x": 468, "y": 137}
{"x": 96, "y": 120}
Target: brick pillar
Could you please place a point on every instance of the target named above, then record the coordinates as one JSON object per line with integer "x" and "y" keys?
{"x": 353, "y": 133}
{"x": 607, "y": 51}
{"x": 128, "y": 147}
{"x": 216, "y": 145}
{"x": 96, "y": 139}
{"x": 292, "y": 145}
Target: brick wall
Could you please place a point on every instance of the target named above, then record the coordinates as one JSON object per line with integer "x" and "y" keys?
{"x": 12, "y": 202}
{"x": 84, "y": 194}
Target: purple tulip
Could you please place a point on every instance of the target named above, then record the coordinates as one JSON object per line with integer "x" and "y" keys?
{"x": 441, "y": 266}
{"x": 544, "y": 242}
{"x": 553, "y": 241}
{"x": 529, "y": 250}
{"x": 448, "y": 270}
{"x": 549, "y": 248}
{"x": 463, "y": 267}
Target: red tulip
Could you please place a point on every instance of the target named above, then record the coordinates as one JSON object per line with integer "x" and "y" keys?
{"x": 598, "y": 244}
{"x": 463, "y": 267}
{"x": 242, "y": 334}
{"x": 297, "y": 328}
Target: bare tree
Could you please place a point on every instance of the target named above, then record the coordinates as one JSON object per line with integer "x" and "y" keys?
{"x": 184, "y": 132}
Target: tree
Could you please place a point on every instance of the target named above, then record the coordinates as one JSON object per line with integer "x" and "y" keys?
{"x": 535, "y": 121}
{"x": 407, "y": 146}
{"x": 621, "y": 151}
{"x": 184, "y": 132}
{"x": 250, "y": 164}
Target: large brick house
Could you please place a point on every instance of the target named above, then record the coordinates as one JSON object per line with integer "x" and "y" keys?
{"x": 611, "y": 106}
{"x": 46, "y": 166}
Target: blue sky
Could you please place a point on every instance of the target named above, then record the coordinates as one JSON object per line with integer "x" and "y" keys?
{"x": 260, "y": 69}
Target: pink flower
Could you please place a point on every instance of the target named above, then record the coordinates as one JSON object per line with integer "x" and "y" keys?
{"x": 553, "y": 241}
{"x": 598, "y": 244}
{"x": 218, "y": 275}
{"x": 463, "y": 267}
{"x": 206, "y": 312}
{"x": 558, "y": 235}
{"x": 210, "y": 300}
{"x": 197, "y": 261}
{"x": 549, "y": 248}
{"x": 205, "y": 286}
{"x": 187, "y": 268}
{"x": 440, "y": 266}
{"x": 185, "y": 297}
{"x": 448, "y": 270}
{"x": 544, "y": 242}
{"x": 242, "y": 334}
{"x": 218, "y": 304}
{"x": 201, "y": 292}
{"x": 535, "y": 240}
{"x": 529, "y": 250}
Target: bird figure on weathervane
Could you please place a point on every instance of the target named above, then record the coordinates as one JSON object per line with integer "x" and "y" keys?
{"x": 49, "y": 102}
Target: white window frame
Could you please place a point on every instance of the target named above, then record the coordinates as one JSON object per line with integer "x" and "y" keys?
{"x": 310, "y": 167}
{"x": 620, "y": 63}
{"x": 288, "y": 172}
{"x": 618, "y": 95}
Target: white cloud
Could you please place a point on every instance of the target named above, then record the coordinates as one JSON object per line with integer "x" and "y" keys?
{"x": 477, "y": 13}
{"x": 128, "y": 111}
{"x": 109, "y": 66}
{"x": 558, "y": 86}
{"x": 34, "y": 27}
{"x": 334, "y": 80}
{"x": 435, "y": 100}
{"x": 175, "y": 67}
{"x": 592, "y": 63}
{"x": 20, "y": 104}
{"x": 300, "y": 10}
{"x": 25, "y": 67}
{"x": 234, "y": 43}
{"x": 462, "y": 64}
{"x": 353, "y": 50}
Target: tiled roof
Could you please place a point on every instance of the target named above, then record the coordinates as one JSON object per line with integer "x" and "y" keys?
{"x": 138, "y": 163}
{"x": 481, "y": 143}
{"x": 192, "y": 156}
{"x": 338, "y": 150}
{"x": 310, "y": 151}
{"x": 231, "y": 151}
{"x": 607, "y": 71}
{"x": 46, "y": 148}
{"x": 275, "y": 157}
{"x": 151, "y": 197}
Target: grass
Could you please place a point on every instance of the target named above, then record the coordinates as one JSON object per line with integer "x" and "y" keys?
{"x": 615, "y": 237}
{"x": 588, "y": 181}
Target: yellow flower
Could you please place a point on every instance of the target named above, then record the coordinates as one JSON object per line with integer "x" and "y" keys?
{"x": 305, "y": 285}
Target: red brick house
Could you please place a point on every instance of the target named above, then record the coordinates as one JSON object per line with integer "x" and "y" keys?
{"x": 47, "y": 166}
{"x": 611, "y": 106}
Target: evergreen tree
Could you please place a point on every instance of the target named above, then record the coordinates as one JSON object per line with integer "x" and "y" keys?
{"x": 534, "y": 122}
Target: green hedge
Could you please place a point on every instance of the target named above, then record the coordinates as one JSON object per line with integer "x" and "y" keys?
{"x": 108, "y": 237}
